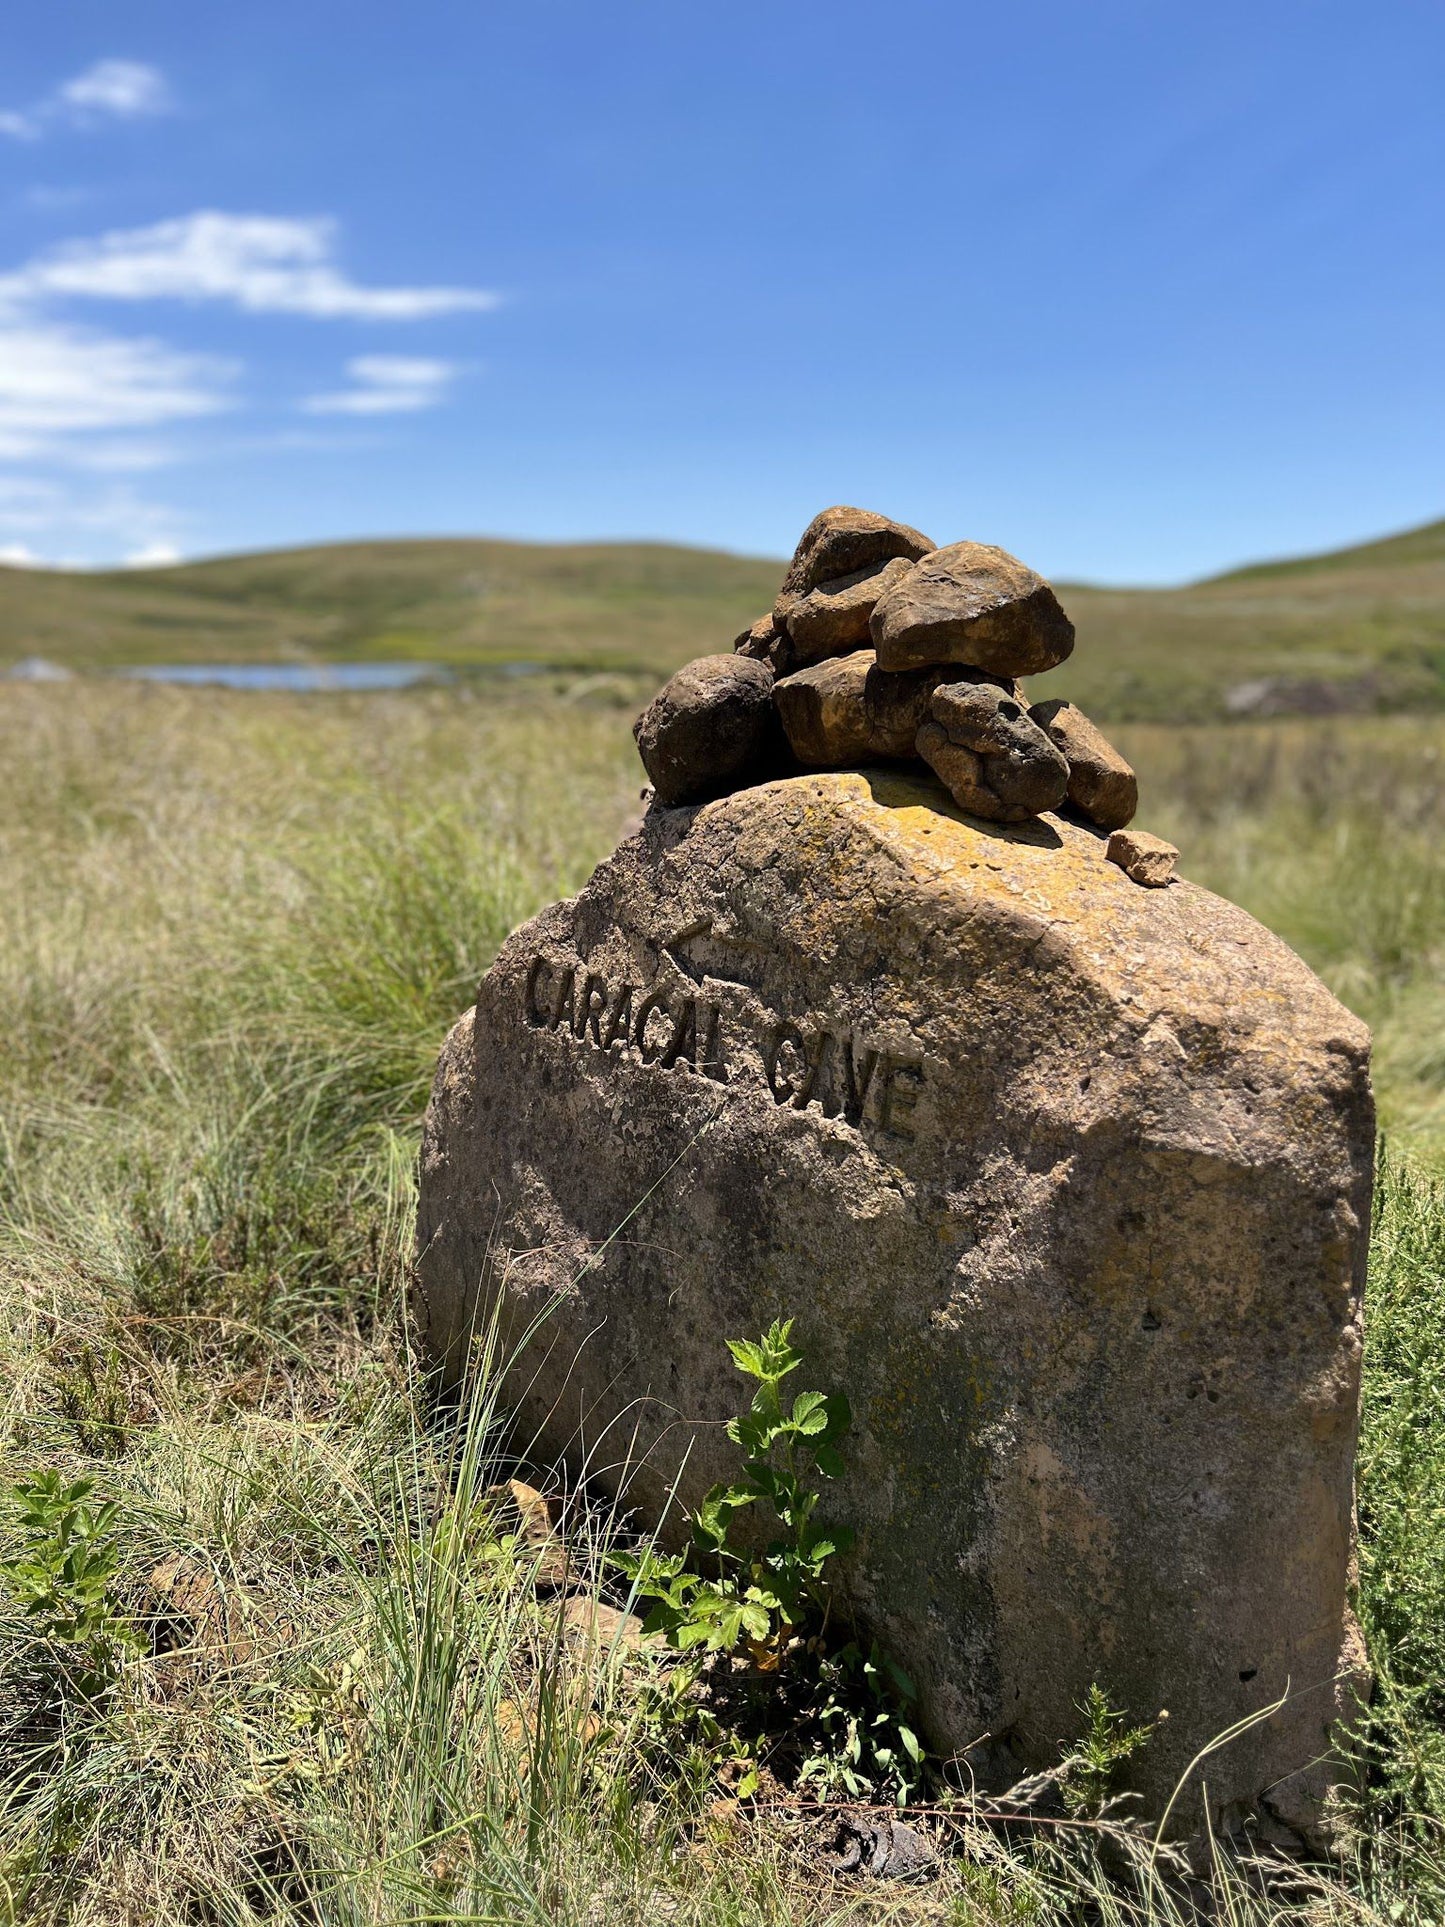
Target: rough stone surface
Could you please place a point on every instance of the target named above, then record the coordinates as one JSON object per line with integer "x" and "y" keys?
{"x": 841, "y": 541}
{"x": 833, "y": 618}
{"x": 1143, "y": 858}
{"x": 1101, "y": 783}
{"x": 591, "y": 1627}
{"x": 898, "y": 706}
{"x": 709, "y": 728}
{"x": 767, "y": 641}
{"x": 885, "y": 1848}
{"x": 1066, "y": 1184}
{"x": 823, "y": 712}
{"x": 994, "y": 760}
{"x": 757, "y": 639}
{"x": 972, "y": 604}
{"x": 848, "y": 710}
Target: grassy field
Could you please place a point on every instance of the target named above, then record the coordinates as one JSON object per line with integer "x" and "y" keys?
{"x": 1363, "y": 629}
{"x": 316, "y": 1682}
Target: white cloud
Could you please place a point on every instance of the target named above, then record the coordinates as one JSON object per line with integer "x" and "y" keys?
{"x": 107, "y": 90}
{"x": 128, "y": 89}
{"x": 66, "y": 524}
{"x": 262, "y": 263}
{"x": 15, "y": 555}
{"x": 118, "y": 457}
{"x": 154, "y": 555}
{"x": 85, "y": 400}
{"x": 57, "y": 381}
{"x": 387, "y": 385}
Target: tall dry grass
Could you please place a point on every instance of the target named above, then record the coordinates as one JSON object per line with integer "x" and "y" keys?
{"x": 234, "y": 932}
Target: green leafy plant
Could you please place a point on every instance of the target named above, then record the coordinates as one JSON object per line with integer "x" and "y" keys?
{"x": 862, "y": 1716}
{"x": 844, "y": 1709}
{"x": 61, "y": 1578}
{"x": 1090, "y": 1774}
{"x": 716, "y": 1595}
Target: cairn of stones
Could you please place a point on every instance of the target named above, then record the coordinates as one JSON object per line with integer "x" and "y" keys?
{"x": 1066, "y": 1184}
{"x": 882, "y": 647}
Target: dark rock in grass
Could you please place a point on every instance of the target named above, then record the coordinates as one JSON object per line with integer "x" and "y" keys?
{"x": 882, "y": 1847}
{"x": 1101, "y": 783}
{"x": 972, "y": 604}
{"x": 995, "y": 761}
{"x": 841, "y": 541}
{"x": 710, "y": 729}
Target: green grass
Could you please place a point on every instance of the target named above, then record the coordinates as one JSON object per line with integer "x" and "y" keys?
{"x": 1368, "y": 623}
{"x": 630, "y": 606}
{"x": 235, "y": 931}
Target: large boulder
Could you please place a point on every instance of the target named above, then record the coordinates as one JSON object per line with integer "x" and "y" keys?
{"x": 1066, "y": 1184}
{"x": 974, "y": 604}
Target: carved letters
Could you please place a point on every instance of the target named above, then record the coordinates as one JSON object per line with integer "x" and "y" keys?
{"x": 683, "y": 1033}
{"x": 834, "y": 1069}
{"x": 837, "y": 1071}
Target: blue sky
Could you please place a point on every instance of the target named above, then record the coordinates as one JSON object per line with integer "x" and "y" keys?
{"x": 1138, "y": 290}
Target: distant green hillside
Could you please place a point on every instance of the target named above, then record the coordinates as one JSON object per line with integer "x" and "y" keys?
{"x": 643, "y": 606}
{"x": 1360, "y": 629}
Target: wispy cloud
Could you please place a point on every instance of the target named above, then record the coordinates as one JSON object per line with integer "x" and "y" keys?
{"x": 84, "y": 399}
{"x": 57, "y": 381}
{"x": 153, "y": 555}
{"x": 123, "y": 89}
{"x": 109, "y": 90}
{"x": 387, "y": 385}
{"x": 261, "y": 263}
{"x": 64, "y": 522}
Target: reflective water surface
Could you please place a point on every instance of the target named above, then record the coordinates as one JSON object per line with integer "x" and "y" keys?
{"x": 299, "y": 675}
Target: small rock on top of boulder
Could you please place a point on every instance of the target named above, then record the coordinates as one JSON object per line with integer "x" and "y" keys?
{"x": 768, "y": 641}
{"x": 833, "y": 618}
{"x": 847, "y": 710}
{"x": 711, "y": 727}
{"x": 970, "y": 603}
{"x": 1101, "y": 783}
{"x": 841, "y": 541}
{"x": 1143, "y": 858}
{"x": 990, "y": 755}
{"x": 823, "y": 712}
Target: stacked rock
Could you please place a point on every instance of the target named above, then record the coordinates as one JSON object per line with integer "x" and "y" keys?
{"x": 882, "y": 647}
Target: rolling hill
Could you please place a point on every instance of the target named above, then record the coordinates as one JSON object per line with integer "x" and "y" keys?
{"x": 1358, "y": 629}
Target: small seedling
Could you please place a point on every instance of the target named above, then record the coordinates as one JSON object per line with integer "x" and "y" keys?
{"x": 846, "y": 1708}
{"x": 730, "y": 1595}
{"x": 1090, "y": 1774}
{"x": 61, "y": 1578}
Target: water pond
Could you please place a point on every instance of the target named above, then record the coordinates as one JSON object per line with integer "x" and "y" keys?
{"x": 299, "y": 676}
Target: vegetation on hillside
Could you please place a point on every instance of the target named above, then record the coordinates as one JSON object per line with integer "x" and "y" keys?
{"x": 311, "y": 1678}
{"x": 1361, "y": 631}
